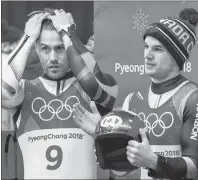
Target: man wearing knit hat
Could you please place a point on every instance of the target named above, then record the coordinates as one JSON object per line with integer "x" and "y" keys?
{"x": 169, "y": 107}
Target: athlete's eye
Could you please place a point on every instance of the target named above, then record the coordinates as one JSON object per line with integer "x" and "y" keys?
{"x": 45, "y": 48}
{"x": 158, "y": 49}
{"x": 60, "y": 48}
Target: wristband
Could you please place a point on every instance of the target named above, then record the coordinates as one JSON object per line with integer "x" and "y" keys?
{"x": 68, "y": 30}
{"x": 171, "y": 168}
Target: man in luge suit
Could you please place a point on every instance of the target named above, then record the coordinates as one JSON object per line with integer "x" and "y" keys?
{"x": 52, "y": 145}
{"x": 169, "y": 107}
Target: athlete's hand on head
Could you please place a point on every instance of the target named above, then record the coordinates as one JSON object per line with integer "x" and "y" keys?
{"x": 61, "y": 20}
{"x": 141, "y": 154}
{"x": 33, "y": 25}
{"x": 84, "y": 119}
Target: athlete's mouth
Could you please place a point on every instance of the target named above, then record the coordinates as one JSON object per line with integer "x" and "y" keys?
{"x": 54, "y": 66}
{"x": 150, "y": 64}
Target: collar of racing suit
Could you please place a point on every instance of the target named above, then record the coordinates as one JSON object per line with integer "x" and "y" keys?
{"x": 56, "y": 85}
{"x": 163, "y": 87}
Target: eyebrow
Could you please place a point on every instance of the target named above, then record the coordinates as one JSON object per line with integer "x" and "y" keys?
{"x": 158, "y": 46}
{"x": 43, "y": 44}
{"x": 155, "y": 46}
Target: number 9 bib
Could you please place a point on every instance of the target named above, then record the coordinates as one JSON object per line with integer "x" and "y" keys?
{"x": 58, "y": 154}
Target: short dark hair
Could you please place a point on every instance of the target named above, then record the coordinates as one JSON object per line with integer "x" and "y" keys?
{"x": 47, "y": 25}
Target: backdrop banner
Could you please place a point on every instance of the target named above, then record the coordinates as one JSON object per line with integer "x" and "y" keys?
{"x": 119, "y": 45}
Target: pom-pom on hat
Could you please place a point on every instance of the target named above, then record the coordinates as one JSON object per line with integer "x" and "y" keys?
{"x": 178, "y": 35}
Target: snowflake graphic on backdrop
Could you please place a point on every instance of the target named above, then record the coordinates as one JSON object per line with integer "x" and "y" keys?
{"x": 140, "y": 22}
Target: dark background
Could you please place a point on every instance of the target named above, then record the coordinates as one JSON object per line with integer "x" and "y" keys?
{"x": 15, "y": 12}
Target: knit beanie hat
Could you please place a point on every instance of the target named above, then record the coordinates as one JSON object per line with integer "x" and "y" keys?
{"x": 178, "y": 35}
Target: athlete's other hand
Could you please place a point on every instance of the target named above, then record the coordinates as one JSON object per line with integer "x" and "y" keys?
{"x": 141, "y": 154}
{"x": 61, "y": 20}
{"x": 84, "y": 119}
{"x": 33, "y": 25}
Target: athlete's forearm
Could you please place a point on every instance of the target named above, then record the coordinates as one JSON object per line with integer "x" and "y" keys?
{"x": 7, "y": 123}
{"x": 100, "y": 87}
{"x": 13, "y": 70}
{"x": 12, "y": 92}
{"x": 174, "y": 168}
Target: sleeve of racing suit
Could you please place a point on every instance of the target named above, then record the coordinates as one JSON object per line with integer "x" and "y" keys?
{"x": 184, "y": 167}
{"x": 12, "y": 91}
{"x": 100, "y": 87}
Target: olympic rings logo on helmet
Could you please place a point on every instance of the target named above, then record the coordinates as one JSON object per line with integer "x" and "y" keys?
{"x": 50, "y": 109}
{"x": 111, "y": 121}
{"x": 157, "y": 121}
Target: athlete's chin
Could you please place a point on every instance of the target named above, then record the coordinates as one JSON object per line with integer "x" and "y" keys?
{"x": 150, "y": 72}
{"x": 55, "y": 75}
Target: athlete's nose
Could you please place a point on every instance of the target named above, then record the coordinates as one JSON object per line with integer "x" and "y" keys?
{"x": 148, "y": 55}
{"x": 54, "y": 61}
{"x": 53, "y": 56}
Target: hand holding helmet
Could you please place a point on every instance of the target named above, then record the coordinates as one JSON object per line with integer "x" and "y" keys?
{"x": 140, "y": 154}
{"x": 112, "y": 135}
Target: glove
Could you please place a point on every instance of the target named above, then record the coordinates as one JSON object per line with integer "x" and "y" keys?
{"x": 62, "y": 21}
{"x": 33, "y": 25}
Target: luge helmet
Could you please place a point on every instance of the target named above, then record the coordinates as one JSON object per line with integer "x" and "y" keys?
{"x": 112, "y": 134}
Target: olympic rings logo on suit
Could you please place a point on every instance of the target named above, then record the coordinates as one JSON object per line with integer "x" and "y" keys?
{"x": 157, "y": 121}
{"x": 44, "y": 106}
